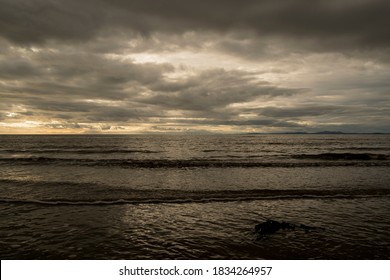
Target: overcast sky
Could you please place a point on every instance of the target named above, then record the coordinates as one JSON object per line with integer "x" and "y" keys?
{"x": 226, "y": 66}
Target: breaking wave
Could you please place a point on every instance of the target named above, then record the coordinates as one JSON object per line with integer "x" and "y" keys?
{"x": 343, "y": 156}
{"x": 137, "y": 196}
{"x": 319, "y": 160}
{"x": 80, "y": 151}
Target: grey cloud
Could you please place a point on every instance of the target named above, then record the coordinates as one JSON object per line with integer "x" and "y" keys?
{"x": 16, "y": 69}
{"x": 352, "y": 118}
{"x": 106, "y": 127}
{"x": 69, "y": 95}
{"x": 3, "y": 106}
{"x": 65, "y": 125}
{"x": 213, "y": 89}
{"x": 26, "y": 21}
{"x": 362, "y": 21}
{"x": 74, "y": 75}
{"x": 60, "y": 106}
{"x": 66, "y": 116}
{"x": 94, "y": 68}
{"x": 66, "y": 61}
{"x": 269, "y": 122}
{"x": 90, "y": 112}
{"x": 88, "y": 128}
{"x": 123, "y": 114}
{"x": 302, "y": 111}
{"x": 332, "y": 23}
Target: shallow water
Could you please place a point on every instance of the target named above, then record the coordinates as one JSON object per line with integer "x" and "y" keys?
{"x": 191, "y": 197}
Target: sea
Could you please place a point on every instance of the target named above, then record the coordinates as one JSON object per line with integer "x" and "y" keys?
{"x": 194, "y": 196}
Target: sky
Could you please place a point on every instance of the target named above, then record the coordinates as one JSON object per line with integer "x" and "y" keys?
{"x": 176, "y": 66}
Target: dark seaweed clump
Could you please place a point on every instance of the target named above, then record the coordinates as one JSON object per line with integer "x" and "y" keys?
{"x": 270, "y": 227}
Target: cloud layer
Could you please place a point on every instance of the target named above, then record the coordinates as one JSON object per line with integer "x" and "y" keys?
{"x": 222, "y": 66}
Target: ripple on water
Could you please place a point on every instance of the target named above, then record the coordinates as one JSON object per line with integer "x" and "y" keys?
{"x": 354, "y": 229}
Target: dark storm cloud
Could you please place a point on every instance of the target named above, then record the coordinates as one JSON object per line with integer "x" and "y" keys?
{"x": 73, "y": 63}
{"x": 27, "y": 21}
{"x": 333, "y": 23}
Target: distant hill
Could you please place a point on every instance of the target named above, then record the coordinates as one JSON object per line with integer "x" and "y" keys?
{"x": 319, "y": 132}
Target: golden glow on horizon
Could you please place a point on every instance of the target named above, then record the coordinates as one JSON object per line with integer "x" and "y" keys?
{"x": 55, "y": 127}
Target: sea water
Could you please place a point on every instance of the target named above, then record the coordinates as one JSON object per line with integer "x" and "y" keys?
{"x": 194, "y": 196}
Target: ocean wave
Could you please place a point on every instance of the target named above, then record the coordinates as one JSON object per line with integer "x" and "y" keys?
{"x": 79, "y": 151}
{"x": 179, "y": 196}
{"x": 363, "y": 148}
{"x": 323, "y": 160}
{"x": 20, "y": 182}
{"x": 343, "y": 156}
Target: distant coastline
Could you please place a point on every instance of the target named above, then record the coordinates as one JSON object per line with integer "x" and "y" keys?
{"x": 206, "y": 133}
{"x": 322, "y": 132}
